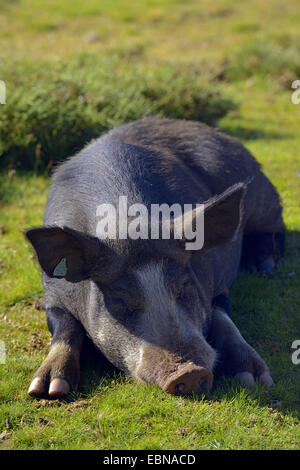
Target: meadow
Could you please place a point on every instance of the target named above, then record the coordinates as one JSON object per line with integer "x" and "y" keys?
{"x": 72, "y": 71}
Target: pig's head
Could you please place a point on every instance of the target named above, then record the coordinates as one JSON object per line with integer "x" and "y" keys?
{"x": 149, "y": 311}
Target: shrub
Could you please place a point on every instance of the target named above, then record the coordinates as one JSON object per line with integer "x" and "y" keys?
{"x": 52, "y": 110}
{"x": 262, "y": 58}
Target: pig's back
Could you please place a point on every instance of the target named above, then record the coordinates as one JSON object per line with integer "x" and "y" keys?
{"x": 207, "y": 161}
{"x": 155, "y": 160}
{"x": 218, "y": 160}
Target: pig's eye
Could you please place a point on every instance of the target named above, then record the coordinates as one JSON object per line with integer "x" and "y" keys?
{"x": 120, "y": 302}
{"x": 187, "y": 291}
{"x": 122, "y": 308}
{"x": 126, "y": 305}
{"x": 118, "y": 306}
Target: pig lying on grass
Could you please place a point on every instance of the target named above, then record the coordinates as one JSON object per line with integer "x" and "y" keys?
{"x": 150, "y": 305}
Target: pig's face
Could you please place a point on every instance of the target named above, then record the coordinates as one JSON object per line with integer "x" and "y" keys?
{"x": 152, "y": 317}
{"x": 160, "y": 326}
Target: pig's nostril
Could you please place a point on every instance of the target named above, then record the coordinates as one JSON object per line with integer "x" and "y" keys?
{"x": 180, "y": 388}
{"x": 188, "y": 379}
{"x": 203, "y": 384}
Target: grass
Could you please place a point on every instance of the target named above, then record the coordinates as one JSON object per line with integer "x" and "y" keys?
{"x": 110, "y": 411}
{"x": 73, "y": 102}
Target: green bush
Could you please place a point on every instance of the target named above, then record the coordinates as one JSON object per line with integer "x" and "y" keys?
{"x": 263, "y": 58}
{"x": 52, "y": 110}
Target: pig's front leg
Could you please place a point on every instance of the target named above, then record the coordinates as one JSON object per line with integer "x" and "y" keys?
{"x": 236, "y": 357}
{"x": 59, "y": 373}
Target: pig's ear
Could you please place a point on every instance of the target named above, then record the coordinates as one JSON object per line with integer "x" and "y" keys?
{"x": 64, "y": 252}
{"x": 223, "y": 215}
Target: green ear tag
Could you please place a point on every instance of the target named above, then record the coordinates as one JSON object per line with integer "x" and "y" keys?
{"x": 61, "y": 268}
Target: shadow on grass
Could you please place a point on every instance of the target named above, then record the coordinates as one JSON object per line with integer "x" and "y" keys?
{"x": 104, "y": 374}
{"x": 251, "y": 133}
{"x": 97, "y": 371}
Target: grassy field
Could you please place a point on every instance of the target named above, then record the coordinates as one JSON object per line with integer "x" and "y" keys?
{"x": 238, "y": 57}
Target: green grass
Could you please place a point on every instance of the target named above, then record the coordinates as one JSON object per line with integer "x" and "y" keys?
{"x": 120, "y": 414}
{"x": 110, "y": 411}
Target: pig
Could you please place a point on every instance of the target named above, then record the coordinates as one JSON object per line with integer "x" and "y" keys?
{"x": 156, "y": 310}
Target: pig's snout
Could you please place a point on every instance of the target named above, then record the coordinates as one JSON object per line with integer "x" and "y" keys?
{"x": 173, "y": 372}
{"x": 189, "y": 379}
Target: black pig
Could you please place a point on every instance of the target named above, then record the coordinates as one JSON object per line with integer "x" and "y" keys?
{"x": 149, "y": 304}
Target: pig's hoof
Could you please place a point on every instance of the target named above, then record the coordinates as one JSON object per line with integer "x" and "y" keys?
{"x": 266, "y": 267}
{"x": 189, "y": 379}
{"x": 266, "y": 379}
{"x": 58, "y": 388}
{"x": 245, "y": 378}
{"x": 58, "y": 374}
{"x": 37, "y": 387}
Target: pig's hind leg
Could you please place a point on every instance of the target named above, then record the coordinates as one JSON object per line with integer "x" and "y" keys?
{"x": 59, "y": 373}
{"x": 236, "y": 358}
{"x": 261, "y": 251}
{"x": 264, "y": 233}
